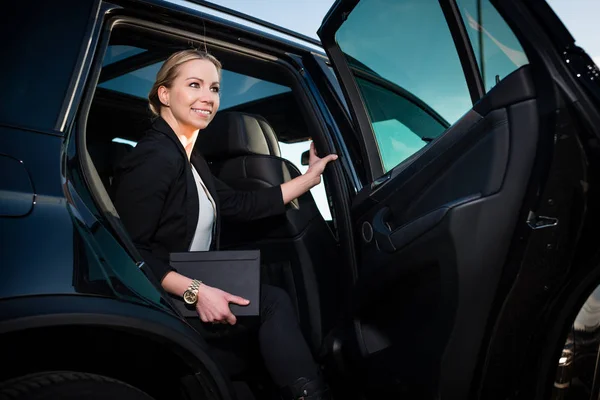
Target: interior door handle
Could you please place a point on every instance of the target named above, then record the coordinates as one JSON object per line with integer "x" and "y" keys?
{"x": 390, "y": 240}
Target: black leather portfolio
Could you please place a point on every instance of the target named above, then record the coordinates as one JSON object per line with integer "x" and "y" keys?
{"x": 236, "y": 272}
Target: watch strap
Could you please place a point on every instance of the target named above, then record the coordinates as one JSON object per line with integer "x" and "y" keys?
{"x": 194, "y": 285}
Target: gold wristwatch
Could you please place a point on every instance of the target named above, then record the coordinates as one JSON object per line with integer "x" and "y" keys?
{"x": 190, "y": 296}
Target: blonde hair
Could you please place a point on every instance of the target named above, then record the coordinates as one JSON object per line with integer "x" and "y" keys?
{"x": 168, "y": 72}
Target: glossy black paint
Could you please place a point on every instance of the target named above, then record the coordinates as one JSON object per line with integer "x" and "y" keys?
{"x": 61, "y": 267}
{"x": 16, "y": 191}
{"x": 90, "y": 318}
{"x": 46, "y": 52}
{"x": 78, "y": 274}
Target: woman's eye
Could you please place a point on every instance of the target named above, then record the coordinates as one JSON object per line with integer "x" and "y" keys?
{"x": 195, "y": 85}
{"x": 215, "y": 89}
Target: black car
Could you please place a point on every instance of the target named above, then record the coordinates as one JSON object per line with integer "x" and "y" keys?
{"x": 453, "y": 254}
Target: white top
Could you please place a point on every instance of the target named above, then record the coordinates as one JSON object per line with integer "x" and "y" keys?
{"x": 206, "y": 216}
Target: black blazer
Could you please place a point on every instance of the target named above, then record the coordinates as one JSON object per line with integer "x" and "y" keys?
{"x": 156, "y": 197}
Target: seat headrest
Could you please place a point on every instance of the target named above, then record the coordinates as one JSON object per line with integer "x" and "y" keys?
{"x": 232, "y": 134}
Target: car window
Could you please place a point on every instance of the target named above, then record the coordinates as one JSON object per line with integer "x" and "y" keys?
{"x": 116, "y": 53}
{"x": 236, "y": 88}
{"x": 402, "y": 124}
{"x": 496, "y": 48}
{"x": 409, "y": 74}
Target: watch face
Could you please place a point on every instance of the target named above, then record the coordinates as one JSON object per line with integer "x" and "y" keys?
{"x": 189, "y": 297}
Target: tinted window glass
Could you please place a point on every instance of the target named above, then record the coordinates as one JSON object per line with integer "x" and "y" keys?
{"x": 402, "y": 124}
{"x": 119, "y": 52}
{"x": 235, "y": 88}
{"x": 497, "y": 49}
{"x": 409, "y": 72}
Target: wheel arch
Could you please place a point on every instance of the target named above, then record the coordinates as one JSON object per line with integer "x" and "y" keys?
{"x": 145, "y": 347}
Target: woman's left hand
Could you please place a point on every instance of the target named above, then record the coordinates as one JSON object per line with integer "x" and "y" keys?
{"x": 317, "y": 165}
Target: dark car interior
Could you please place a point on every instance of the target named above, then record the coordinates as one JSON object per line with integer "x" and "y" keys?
{"x": 299, "y": 250}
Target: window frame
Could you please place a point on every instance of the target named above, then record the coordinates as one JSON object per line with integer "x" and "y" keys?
{"x": 374, "y": 167}
{"x": 307, "y": 106}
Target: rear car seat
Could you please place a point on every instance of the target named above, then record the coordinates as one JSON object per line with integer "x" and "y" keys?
{"x": 297, "y": 249}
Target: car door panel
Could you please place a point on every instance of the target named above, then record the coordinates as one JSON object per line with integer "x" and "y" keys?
{"x": 434, "y": 227}
{"x": 441, "y": 226}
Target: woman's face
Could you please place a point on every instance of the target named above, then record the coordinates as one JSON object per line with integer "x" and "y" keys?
{"x": 194, "y": 95}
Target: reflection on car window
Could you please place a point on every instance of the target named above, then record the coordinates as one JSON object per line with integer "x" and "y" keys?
{"x": 119, "y": 52}
{"x": 236, "y": 88}
{"x": 408, "y": 72}
{"x": 402, "y": 124}
{"x": 496, "y": 48}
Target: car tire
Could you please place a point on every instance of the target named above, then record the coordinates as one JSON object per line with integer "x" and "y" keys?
{"x": 68, "y": 385}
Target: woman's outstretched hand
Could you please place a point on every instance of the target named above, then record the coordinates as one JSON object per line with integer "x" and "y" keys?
{"x": 213, "y": 305}
{"x": 317, "y": 165}
{"x": 302, "y": 184}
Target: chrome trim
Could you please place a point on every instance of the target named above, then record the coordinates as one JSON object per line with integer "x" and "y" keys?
{"x": 540, "y": 222}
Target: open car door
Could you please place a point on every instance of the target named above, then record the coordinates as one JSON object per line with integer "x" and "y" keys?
{"x": 478, "y": 127}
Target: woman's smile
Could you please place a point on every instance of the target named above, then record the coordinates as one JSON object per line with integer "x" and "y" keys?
{"x": 202, "y": 112}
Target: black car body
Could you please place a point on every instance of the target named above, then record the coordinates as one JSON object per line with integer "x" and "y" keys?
{"x": 459, "y": 269}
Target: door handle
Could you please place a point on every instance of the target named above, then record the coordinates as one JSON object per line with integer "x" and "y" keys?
{"x": 390, "y": 240}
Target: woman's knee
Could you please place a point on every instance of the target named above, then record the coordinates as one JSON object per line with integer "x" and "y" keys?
{"x": 274, "y": 300}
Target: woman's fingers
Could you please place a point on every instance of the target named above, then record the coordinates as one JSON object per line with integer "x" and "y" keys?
{"x": 315, "y": 159}
{"x": 231, "y": 319}
{"x": 331, "y": 157}
{"x": 203, "y": 317}
{"x": 319, "y": 166}
{"x": 218, "y": 311}
{"x": 237, "y": 300}
{"x": 312, "y": 154}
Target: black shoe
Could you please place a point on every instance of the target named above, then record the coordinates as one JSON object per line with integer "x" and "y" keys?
{"x": 307, "y": 389}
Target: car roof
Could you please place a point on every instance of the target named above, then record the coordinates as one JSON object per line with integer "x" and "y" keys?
{"x": 244, "y": 22}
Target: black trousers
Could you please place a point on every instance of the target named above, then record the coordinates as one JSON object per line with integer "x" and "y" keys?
{"x": 282, "y": 346}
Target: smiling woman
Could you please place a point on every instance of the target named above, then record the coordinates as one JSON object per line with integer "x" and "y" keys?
{"x": 167, "y": 199}
{"x": 155, "y": 189}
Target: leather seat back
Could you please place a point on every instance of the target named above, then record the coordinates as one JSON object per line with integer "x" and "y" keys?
{"x": 243, "y": 151}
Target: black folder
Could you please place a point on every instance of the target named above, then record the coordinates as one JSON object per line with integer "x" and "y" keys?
{"x": 236, "y": 272}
